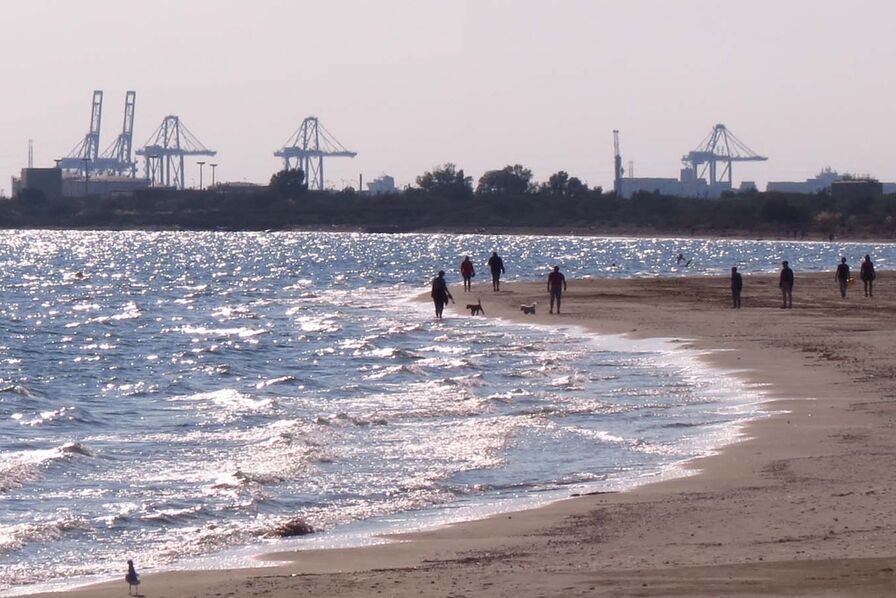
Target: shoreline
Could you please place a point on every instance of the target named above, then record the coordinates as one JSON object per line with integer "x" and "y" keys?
{"x": 558, "y": 231}
{"x": 786, "y": 510}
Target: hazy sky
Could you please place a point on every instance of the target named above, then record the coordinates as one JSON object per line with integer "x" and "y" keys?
{"x": 481, "y": 83}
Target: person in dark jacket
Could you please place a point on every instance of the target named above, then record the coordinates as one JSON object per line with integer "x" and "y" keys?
{"x": 737, "y": 285}
{"x": 785, "y": 283}
{"x": 866, "y": 273}
{"x": 496, "y": 265}
{"x": 467, "y": 272}
{"x": 440, "y": 293}
{"x": 842, "y": 276}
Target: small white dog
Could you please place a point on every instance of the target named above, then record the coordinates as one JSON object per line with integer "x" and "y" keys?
{"x": 528, "y": 309}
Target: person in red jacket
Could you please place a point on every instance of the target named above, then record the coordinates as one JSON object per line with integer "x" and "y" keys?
{"x": 467, "y": 272}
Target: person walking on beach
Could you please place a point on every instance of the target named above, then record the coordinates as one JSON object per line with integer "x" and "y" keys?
{"x": 467, "y": 273}
{"x": 496, "y": 265}
{"x": 866, "y": 273}
{"x": 440, "y": 293}
{"x": 556, "y": 286}
{"x": 786, "y": 285}
{"x": 842, "y": 276}
{"x": 737, "y": 285}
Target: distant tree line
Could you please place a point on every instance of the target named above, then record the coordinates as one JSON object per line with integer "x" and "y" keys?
{"x": 444, "y": 198}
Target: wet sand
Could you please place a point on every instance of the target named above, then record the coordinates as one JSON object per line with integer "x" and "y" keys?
{"x": 806, "y": 506}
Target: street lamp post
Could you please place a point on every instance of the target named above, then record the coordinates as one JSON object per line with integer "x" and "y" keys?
{"x": 201, "y": 164}
{"x": 213, "y": 165}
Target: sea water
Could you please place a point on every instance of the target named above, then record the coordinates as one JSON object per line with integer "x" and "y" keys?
{"x": 177, "y": 397}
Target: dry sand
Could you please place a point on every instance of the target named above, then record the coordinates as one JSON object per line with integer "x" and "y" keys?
{"x": 805, "y": 507}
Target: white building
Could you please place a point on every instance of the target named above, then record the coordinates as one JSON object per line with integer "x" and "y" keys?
{"x": 381, "y": 185}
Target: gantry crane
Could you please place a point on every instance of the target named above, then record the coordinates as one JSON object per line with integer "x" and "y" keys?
{"x": 719, "y": 146}
{"x": 83, "y": 156}
{"x": 165, "y": 152}
{"x": 117, "y": 159}
{"x": 308, "y": 146}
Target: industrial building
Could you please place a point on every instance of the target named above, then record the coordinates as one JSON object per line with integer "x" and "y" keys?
{"x": 824, "y": 181}
{"x": 381, "y": 185}
{"x": 707, "y": 172}
{"x": 46, "y": 180}
{"x": 54, "y": 183}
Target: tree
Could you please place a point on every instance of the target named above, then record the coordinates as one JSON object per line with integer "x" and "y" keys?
{"x": 510, "y": 180}
{"x": 289, "y": 182}
{"x": 446, "y": 180}
{"x": 557, "y": 183}
{"x": 575, "y": 187}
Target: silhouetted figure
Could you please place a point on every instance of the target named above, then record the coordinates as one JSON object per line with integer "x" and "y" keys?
{"x": 496, "y": 265}
{"x": 467, "y": 272}
{"x": 679, "y": 259}
{"x": 132, "y": 578}
{"x": 842, "y": 276}
{"x": 786, "y": 285}
{"x": 866, "y": 273}
{"x": 737, "y": 285}
{"x": 556, "y": 286}
{"x": 440, "y": 294}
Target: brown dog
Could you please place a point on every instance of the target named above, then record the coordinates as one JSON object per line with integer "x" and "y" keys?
{"x": 476, "y": 308}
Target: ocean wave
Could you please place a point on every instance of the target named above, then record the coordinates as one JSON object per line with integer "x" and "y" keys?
{"x": 342, "y": 419}
{"x": 19, "y": 467}
{"x": 231, "y": 400}
{"x": 15, "y": 537}
{"x": 273, "y": 381}
{"x": 241, "y": 331}
{"x": 396, "y": 370}
{"x": 319, "y": 324}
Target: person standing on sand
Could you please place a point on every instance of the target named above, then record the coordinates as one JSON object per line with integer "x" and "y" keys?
{"x": 786, "y": 285}
{"x": 556, "y": 286}
{"x": 737, "y": 285}
{"x": 496, "y": 265}
{"x": 866, "y": 273}
{"x": 440, "y": 293}
{"x": 842, "y": 276}
{"x": 467, "y": 273}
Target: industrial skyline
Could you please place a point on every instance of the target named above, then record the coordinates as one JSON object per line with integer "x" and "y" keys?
{"x": 481, "y": 84}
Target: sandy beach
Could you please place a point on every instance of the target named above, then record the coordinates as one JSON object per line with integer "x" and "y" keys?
{"x": 804, "y": 506}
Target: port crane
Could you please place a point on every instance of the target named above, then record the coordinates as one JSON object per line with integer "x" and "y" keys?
{"x": 720, "y": 146}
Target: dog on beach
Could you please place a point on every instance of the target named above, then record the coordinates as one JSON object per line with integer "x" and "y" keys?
{"x": 529, "y": 310}
{"x": 476, "y": 308}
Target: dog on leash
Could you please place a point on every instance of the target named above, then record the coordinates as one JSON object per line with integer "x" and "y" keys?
{"x": 529, "y": 310}
{"x": 476, "y": 308}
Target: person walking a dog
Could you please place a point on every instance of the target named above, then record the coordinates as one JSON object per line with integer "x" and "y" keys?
{"x": 467, "y": 273}
{"x": 556, "y": 286}
{"x": 440, "y": 293}
{"x": 496, "y": 265}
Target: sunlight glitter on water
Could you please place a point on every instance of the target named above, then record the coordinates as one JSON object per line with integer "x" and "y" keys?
{"x": 193, "y": 391}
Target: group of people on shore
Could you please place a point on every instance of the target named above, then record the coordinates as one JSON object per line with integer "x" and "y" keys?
{"x": 441, "y": 295}
{"x": 786, "y": 279}
{"x": 556, "y": 283}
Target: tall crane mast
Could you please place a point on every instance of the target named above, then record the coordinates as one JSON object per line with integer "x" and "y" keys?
{"x": 617, "y": 164}
{"x": 86, "y": 152}
{"x": 117, "y": 158}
